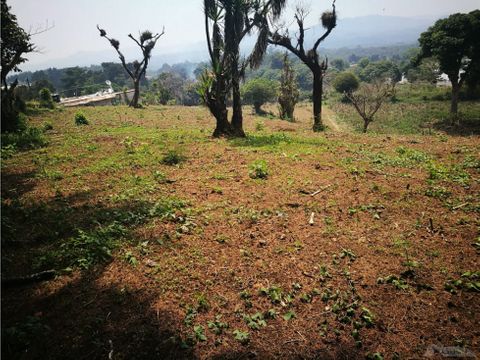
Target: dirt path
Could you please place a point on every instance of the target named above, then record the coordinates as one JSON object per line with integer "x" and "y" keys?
{"x": 330, "y": 120}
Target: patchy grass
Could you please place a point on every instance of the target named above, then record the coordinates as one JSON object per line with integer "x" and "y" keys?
{"x": 166, "y": 246}
{"x": 412, "y": 114}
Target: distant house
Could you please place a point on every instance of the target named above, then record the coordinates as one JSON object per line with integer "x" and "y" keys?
{"x": 404, "y": 80}
{"x": 443, "y": 81}
{"x": 101, "y": 98}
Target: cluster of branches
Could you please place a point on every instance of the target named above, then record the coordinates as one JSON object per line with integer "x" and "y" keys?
{"x": 146, "y": 42}
{"x": 368, "y": 99}
{"x": 310, "y": 57}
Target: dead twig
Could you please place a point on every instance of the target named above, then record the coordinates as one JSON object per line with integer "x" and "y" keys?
{"x": 308, "y": 275}
{"x": 460, "y": 206}
{"x": 320, "y": 190}
{"x": 110, "y": 354}
{"x": 292, "y": 341}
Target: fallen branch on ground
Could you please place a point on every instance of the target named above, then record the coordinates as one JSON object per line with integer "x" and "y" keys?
{"x": 32, "y": 278}
{"x": 320, "y": 190}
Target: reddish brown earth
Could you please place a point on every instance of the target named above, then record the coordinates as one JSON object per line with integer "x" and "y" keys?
{"x": 242, "y": 235}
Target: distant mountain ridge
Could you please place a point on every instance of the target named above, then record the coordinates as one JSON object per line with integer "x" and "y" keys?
{"x": 365, "y": 31}
{"x": 374, "y": 30}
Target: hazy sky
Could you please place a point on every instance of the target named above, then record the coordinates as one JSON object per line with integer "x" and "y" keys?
{"x": 75, "y": 20}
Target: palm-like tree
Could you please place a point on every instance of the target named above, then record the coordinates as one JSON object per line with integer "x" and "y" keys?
{"x": 227, "y": 22}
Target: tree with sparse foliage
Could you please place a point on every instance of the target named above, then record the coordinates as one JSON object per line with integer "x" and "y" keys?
{"x": 455, "y": 43}
{"x": 311, "y": 58}
{"x": 227, "y": 23}
{"x": 146, "y": 42}
{"x": 259, "y": 91}
{"x": 368, "y": 99}
{"x": 15, "y": 43}
{"x": 288, "y": 94}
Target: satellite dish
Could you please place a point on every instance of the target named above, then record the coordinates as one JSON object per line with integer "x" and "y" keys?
{"x": 108, "y": 82}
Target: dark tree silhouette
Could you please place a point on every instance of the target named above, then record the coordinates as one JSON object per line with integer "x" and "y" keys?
{"x": 227, "y": 23}
{"x": 15, "y": 43}
{"x": 311, "y": 58}
{"x": 146, "y": 42}
{"x": 455, "y": 43}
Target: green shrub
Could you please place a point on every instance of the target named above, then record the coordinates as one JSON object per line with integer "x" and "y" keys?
{"x": 47, "y": 126}
{"x": 346, "y": 82}
{"x": 259, "y": 126}
{"x": 85, "y": 249}
{"x": 80, "y": 118}
{"x": 173, "y": 157}
{"x": 258, "y": 92}
{"x": 258, "y": 170}
{"x": 8, "y": 151}
{"x": 45, "y": 97}
{"x": 30, "y": 138}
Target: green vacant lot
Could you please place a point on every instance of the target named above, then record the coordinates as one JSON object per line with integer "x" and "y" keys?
{"x": 168, "y": 243}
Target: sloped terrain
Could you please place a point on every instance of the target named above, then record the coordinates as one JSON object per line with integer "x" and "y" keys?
{"x": 286, "y": 244}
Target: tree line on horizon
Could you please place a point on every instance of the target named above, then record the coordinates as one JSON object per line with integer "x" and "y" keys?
{"x": 450, "y": 46}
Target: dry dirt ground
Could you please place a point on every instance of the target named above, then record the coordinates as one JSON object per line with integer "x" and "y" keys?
{"x": 203, "y": 260}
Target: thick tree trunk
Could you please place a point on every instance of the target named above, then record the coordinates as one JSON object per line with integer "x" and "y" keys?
{"x": 237, "y": 117}
{"x": 223, "y": 127}
{"x": 218, "y": 107}
{"x": 317, "y": 100}
{"x": 455, "y": 97}
{"x": 9, "y": 113}
{"x": 136, "y": 94}
{"x": 366, "y": 122}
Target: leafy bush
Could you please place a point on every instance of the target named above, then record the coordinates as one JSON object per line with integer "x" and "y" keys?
{"x": 258, "y": 170}
{"x": 81, "y": 119}
{"x": 173, "y": 157}
{"x": 258, "y": 92}
{"x": 87, "y": 248}
{"x": 241, "y": 336}
{"x": 346, "y": 82}
{"x": 45, "y": 97}
{"x": 8, "y": 151}
{"x": 167, "y": 208}
{"x": 30, "y": 138}
{"x": 259, "y": 126}
{"x": 47, "y": 126}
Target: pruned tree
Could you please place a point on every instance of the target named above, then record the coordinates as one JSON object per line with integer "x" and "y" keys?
{"x": 318, "y": 66}
{"x": 288, "y": 94}
{"x": 146, "y": 42}
{"x": 227, "y": 23}
{"x": 454, "y": 42}
{"x": 369, "y": 98}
